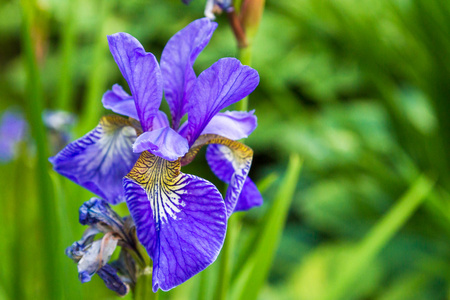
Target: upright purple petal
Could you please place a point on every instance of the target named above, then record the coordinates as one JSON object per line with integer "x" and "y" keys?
{"x": 120, "y": 102}
{"x": 177, "y": 60}
{"x": 142, "y": 72}
{"x": 224, "y": 83}
{"x": 234, "y": 125}
{"x": 99, "y": 160}
{"x": 160, "y": 121}
{"x": 164, "y": 142}
{"x": 180, "y": 219}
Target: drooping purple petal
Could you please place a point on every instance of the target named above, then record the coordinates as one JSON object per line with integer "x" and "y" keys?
{"x": 164, "y": 142}
{"x": 234, "y": 125}
{"x": 120, "y": 102}
{"x": 97, "y": 211}
{"x": 142, "y": 72}
{"x": 77, "y": 249}
{"x": 98, "y": 214}
{"x": 96, "y": 256}
{"x": 112, "y": 280}
{"x": 141, "y": 211}
{"x": 224, "y": 83}
{"x": 99, "y": 160}
{"x": 229, "y": 160}
{"x": 222, "y": 163}
{"x": 180, "y": 219}
{"x": 177, "y": 62}
{"x": 249, "y": 197}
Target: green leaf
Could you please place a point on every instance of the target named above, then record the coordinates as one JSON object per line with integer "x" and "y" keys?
{"x": 379, "y": 236}
{"x": 254, "y": 273}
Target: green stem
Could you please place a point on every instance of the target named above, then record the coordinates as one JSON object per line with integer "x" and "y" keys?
{"x": 203, "y": 284}
{"x": 143, "y": 290}
{"x": 226, "y": 255}
{"x": 19, "y": 234}
{"x": 226, "y": 266}
{"x": 245, "y": 55}
{"x": 47, "y": 213}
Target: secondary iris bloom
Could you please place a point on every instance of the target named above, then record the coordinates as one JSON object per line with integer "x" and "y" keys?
{"x": 180, "y": 218}
{"x": 92, "y": 255}
{"x": 13, "y": 130}
{"x": 210, "y": 8}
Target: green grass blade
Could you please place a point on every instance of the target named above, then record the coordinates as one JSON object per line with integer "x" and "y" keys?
{"x": 34, "y": 103}
{"x": 255, "y": 271}
{"x": 379, "y": 236}
{"x": 245, "y": 249}
{"x": 65, "y": 87}
{"x": 97, "y": 80}
{"x": 72, "y": 286}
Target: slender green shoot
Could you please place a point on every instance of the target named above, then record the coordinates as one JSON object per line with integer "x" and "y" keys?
{"x": 379, "y": 236}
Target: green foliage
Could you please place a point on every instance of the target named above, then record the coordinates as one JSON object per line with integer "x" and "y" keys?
{"x": 253, "y": 273}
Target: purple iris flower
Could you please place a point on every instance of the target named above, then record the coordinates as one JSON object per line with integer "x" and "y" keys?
{"x": 92, "y": 254}
{"x": 180, "y": 218}
{"x": 224, "y": 5}
{"x": 13, "y": 130}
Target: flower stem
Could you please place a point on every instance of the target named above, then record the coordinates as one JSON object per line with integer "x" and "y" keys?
{"x": 226, "y": 265}
{"x": 223, "y": 282}
{"x": 245, "y": 55}
{"x": 238, "y": 31}
{"x": 143, "y": 289}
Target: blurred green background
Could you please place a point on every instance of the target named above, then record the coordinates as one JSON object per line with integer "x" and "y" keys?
{"x": 358, "y": 89}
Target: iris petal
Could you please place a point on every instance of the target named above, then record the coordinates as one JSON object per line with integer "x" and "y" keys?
{"x": 234, "y": 125}
{"x": 164, "y": 142}
{"x": 120, "y": 102}
{"x": 112, "y": 280}
{"x": 13, "y": 128}
{"x": 160, "y": 121}
{"x": 141, "y": 71}
{"x": 223, "y": 162}
{"x": 99, "y": 160}
{"x": 180, "y": 219}
{"x": 249, "y": 197}
{"x": 236, "y": 153}
{"x": 177, "y": 62}
{"x": 224, "y": 83}
{"x": 96, "y": 256}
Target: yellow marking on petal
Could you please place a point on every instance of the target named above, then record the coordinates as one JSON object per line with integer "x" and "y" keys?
{"x": 240, "y": 151}
{"x": 238, "y": 154}
{"x": 163, "y": 183}
{"x": 112, "y": 122}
